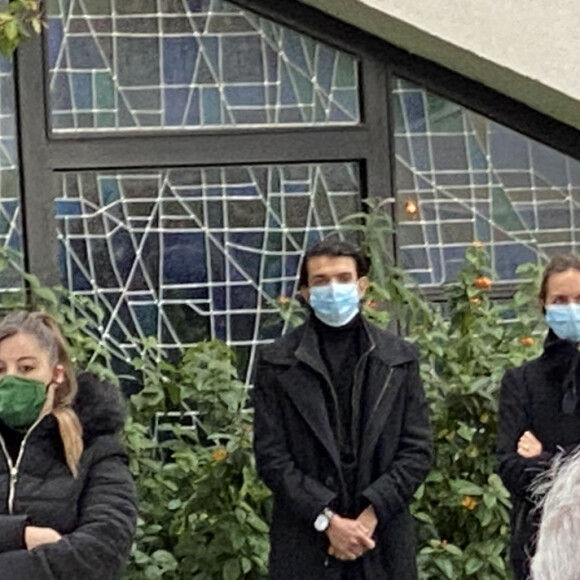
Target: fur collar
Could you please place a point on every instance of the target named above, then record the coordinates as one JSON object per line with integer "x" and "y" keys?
{"x": 100, "y": 406}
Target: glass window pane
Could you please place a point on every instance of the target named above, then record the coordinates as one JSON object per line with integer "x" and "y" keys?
{"x": 461, "y": 177}
{"x": 131, "y": 65}
{"x": 11, "y": 280}
{"x": 188, "y": 254}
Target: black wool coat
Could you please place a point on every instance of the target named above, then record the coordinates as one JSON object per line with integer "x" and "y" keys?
{"x": 531, "y": 399}
{"x": 298, "y": 458}
{"x": 95, "y": 512}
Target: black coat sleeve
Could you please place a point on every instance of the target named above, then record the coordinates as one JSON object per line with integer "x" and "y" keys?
{"x": 306, "y": 496}
{"x": 516, "y": 472}
{"x": 12, "y": 532}
{"x": 99, "y": 547}
{"x": 393, "y": 490}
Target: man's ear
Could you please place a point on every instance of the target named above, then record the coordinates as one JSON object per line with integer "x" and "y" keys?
{"x": 363, "y": 284}
{"x": 305, "y": 293}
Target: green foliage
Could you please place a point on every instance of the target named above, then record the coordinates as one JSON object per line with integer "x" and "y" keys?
{"x": 389, "y": 298}
{"x": 202, "y": 507}
{"x": 17, "y": 21}
{"x": 463, "y": 506}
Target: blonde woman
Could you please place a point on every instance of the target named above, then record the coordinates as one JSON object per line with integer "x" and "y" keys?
{"x": 67, "y": 499}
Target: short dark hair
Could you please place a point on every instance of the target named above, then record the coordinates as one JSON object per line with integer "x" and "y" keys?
{"x": 558, "y": 264}
{"x": 334, "y": 248}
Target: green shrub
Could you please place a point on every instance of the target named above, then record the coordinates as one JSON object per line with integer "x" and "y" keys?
{"x": 202, "y": 507}
{"x": 463, "y": 507}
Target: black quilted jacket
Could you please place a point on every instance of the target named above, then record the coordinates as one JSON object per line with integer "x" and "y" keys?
{"x": 95, "y": 512}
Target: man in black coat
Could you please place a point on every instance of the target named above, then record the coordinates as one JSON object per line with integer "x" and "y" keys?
{"x": 342, "y": 435}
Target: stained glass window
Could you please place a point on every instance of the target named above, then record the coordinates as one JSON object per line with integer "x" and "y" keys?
{"x": 189, "y": 254}
{"x": 187, "y": 64}
{"x": 10, "y": 230}
{"x": 461, "y": 177}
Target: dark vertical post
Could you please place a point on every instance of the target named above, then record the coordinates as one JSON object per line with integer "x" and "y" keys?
{"x": 37, "y": 191}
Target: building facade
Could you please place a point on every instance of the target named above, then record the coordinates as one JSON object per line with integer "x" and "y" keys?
{"x": 171, "y": 160}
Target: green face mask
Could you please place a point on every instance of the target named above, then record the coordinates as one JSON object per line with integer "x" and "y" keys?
{"x": 21, "y": 401}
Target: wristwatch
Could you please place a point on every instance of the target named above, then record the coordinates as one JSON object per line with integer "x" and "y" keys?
{"x": 322, "y": 521}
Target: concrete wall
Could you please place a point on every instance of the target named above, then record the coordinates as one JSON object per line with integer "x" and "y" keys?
{"x": 526, "y": 49}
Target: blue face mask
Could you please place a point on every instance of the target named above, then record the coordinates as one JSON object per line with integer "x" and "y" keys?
{"x": 564, "y": 320}
{"x": 335, "y": 304}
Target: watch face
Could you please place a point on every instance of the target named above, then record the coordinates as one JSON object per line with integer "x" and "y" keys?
{"x": 321, "y": 523}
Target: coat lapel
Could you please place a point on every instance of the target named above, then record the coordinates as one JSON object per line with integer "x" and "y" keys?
{"x": 302, "y": 383}
{"x": 304, "y": 390}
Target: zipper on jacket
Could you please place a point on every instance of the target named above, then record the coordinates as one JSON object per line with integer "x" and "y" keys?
{"x": 13, "y": 468}
{"x": 382, "y": 393}
{"x": 10, "y": 469}
{"x": 355, "y": 396}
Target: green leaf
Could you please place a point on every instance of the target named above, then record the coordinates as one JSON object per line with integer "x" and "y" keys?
{"x": 174, "y": 504}
{"x": 446, "y": 567}
{"x": 489, "y": 500}
{"x": 232, "y": 570}
{"x": 473, "y": 565}
{"x": 497, "y": 563}
{"x": 464, "y": 487}
{"x": 466, "y": 432}
{"x": 11, "y": 29}
{"x": 453, "y": 550}
{"x": 246, "y": 565}
{"x": 47, "y": 295}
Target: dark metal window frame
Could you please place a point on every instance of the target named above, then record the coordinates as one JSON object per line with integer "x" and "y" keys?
{"x": 43, "y": 156}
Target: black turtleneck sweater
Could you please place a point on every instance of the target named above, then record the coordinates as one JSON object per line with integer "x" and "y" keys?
{"x": 340, "y": 348}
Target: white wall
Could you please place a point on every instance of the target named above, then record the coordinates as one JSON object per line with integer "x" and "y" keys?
{"x": 526, "y": 49}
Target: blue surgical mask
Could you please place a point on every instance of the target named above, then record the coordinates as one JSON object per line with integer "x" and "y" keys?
{"x": 564, "y": 320}
{"x": 335, "y": 304}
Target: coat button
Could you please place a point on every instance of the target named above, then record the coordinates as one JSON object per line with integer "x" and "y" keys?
{"x": 329, "y": 481}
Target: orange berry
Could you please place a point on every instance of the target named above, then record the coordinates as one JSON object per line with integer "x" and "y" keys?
{"x": 219, "y": 454}
{"x": 527, "y": 341}
{"x": 468, "y": 502}
{"x": 483, "y": 283}
{"x": 411, "y": 207}
{"x": 283, "y": 300}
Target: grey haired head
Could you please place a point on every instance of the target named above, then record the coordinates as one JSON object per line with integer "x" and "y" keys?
{"x": 557, "y": 555}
